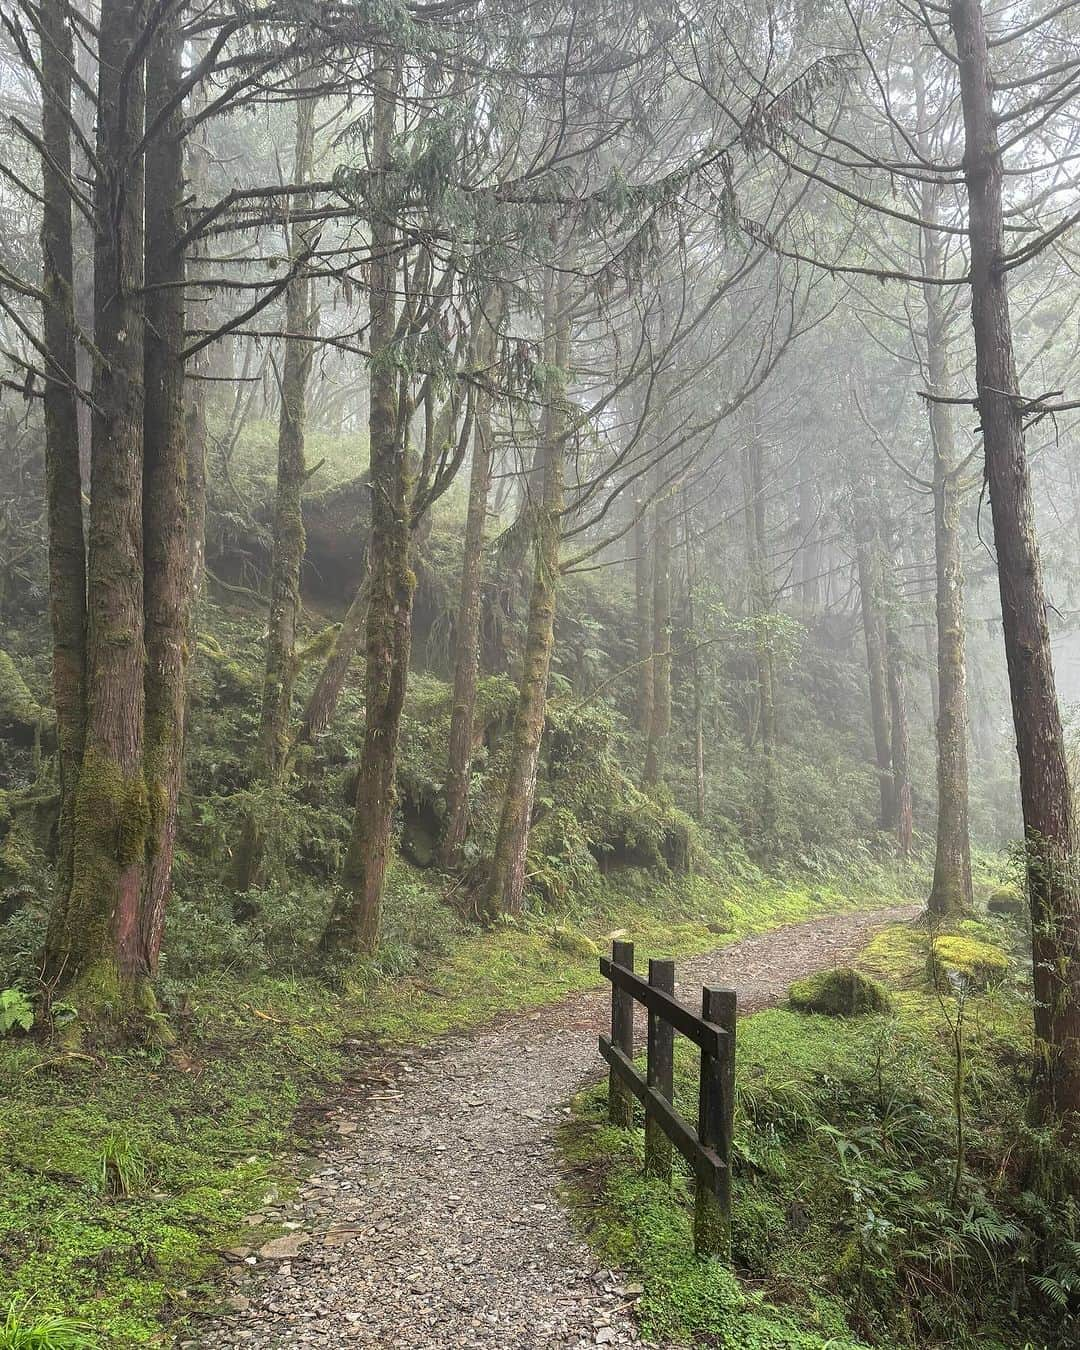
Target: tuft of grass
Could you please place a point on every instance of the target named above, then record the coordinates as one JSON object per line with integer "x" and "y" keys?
{"x": 123, "y": 1167}
{"x": 23, "y": 1329}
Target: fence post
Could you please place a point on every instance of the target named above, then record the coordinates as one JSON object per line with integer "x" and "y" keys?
{"x": 620, "y": 1098}
{"x": 716, "y": 1115}
{"x": 660, "y": 1073}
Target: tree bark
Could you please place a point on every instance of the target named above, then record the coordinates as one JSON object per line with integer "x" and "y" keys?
{"x": 167, "y": 563}
{"x": 1045, "y": 790}
{"x": 287, "y": 552}
{"x": 63, "y": 478}
{"x": 100, "y": 941}
{"x": 467, "y": 629}
{"x": 354, "y": 921}
{"x": 505, "y": 888}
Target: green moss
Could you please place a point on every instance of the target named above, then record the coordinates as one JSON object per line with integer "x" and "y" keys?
{"x": 18, "y": 707}
{"x": 977, "y": 963}
{"x": 840, "y": 993}
{"x": 573, "y": 943}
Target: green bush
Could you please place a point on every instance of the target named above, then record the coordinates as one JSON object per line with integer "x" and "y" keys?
{"x": 840, "y": 993}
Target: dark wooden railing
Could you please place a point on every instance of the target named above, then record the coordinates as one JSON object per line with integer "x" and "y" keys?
{"x": 708, "y": 1148}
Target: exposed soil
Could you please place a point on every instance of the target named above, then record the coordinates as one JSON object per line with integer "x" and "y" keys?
{"x": 434, "y": 1222}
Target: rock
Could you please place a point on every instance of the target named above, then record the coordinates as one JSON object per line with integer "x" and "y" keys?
{"x": 978, "y": 964}
{"x": 1007, "y": 900}
{"x": 840, "y": 993}
{"x": 283, "y": 1248}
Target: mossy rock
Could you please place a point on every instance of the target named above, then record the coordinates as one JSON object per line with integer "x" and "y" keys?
{"x": 573, "y": 943}
{"x": 1007, "y": 900}
{"x": 840, "y": 993}
{"x": 977, "y": 963}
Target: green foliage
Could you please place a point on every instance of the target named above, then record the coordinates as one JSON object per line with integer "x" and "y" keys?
{"x": 841, "y": 993}
{"x": 16, "y": 1011}
{"x": 23, "y": 1329}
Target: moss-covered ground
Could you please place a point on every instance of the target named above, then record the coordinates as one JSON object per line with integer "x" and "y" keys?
{"x": 867, "y": 1210}
{"x": 125, "y": 1176}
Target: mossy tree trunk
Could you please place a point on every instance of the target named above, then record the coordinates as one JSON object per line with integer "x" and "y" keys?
{"x": 660, "y": 719}
{"x": 1045, "y": 789}
{"x": 100, "y": 941}
{"x": 167, "y": 563}
{"x": 324, "y": 697}
{"x": 951, "y": 891}
{"x": 505, "y": 887}
{"x": 287, "y": 551}
{"x": 467, "y": 629}
{"x": 355, "y": 918}
{"x": 67, "y": 547}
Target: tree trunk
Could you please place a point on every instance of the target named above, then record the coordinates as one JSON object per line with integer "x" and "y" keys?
{"x": 760, "y": 609}
{"x": 951, "y": 892}
{"x": 322, "y": 702}
{"x": 354, "y": 922}
{"x": 1045, "y": 791}
{"x": 810, "y": 538}
{"x": 695, "y": 663}
{"x": 101, "y": 940}
{"x": 287, "y": 552}
{"x": 63, "y": 479}
{"x": 167, "y": 564}
{"x": 643, "y": 601}
{"x": 660, "y": 721}
{"x": 505, "y": 888}
{"x": 467, "y": 630}
{"x": 899, "y": 739}
{"x": 868, "y": 563}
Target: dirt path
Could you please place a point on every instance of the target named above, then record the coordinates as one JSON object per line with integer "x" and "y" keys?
{"x": 433, "y": 1224}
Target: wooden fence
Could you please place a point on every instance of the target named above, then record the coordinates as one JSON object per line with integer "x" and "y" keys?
{"x": 708, "y": 1148}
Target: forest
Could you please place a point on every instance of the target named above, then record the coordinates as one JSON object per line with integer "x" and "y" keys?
{"x": 484, "y": 480}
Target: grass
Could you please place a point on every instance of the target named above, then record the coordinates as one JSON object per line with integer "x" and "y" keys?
{"x": 123, "y": 1177}
{"x": 846, "y": 1231}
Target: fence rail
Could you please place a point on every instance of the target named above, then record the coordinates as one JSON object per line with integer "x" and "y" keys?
{"x": 708, "y": 1148}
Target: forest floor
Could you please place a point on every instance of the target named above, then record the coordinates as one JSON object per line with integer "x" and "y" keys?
{"x": 433, "y": 1220}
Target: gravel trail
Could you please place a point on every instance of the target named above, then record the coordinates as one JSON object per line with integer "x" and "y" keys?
{"x": 431, "y": 1222}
